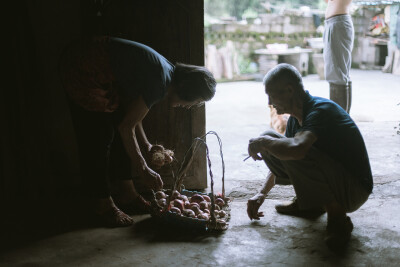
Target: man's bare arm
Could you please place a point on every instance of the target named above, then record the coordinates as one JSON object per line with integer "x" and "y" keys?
{"x": 269, "y": 184}
{"x": 254, "y": 203}
{"x": 136, "y": 111}
{"x": 142, "y": 138}
{"x": 282, "y": 148}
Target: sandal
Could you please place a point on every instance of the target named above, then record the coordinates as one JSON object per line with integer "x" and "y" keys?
{"x": 292, "y": 208}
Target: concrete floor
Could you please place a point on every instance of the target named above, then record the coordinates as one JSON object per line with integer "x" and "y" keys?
{"x": 239, "y": 112}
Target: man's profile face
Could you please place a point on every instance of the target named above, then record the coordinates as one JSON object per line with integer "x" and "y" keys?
{"x": 187, "y": 104}
{"x": 178, "y": 102}
{"x": 279, "y": 97}
{"x": 175, "y": 101}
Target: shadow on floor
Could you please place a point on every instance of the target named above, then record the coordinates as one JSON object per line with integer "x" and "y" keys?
{"x": 156, "y": 230}
{"x": 28, "y": 220}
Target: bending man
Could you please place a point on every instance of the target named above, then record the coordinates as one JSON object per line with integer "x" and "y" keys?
{"x": 112, "y": 84}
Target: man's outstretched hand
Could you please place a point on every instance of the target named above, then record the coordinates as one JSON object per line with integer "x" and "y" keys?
{"x": 253, "y": 204}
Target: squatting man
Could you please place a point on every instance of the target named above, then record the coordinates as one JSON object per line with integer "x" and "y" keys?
{"x": 322, "y": 154}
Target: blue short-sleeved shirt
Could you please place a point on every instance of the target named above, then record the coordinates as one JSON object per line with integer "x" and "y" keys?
{"x": 338, "y": 136}
{"x": 139, "y": 70}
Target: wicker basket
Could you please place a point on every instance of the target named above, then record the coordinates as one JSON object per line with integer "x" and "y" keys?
{"x": 214, "y": 223}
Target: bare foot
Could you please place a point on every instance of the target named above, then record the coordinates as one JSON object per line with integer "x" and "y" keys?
{"x": 137, "y": 206}
{"x": 130, "y": 201}
{"x": 110, "y": 214}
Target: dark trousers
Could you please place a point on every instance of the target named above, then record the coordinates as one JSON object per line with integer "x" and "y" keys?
{"x": 317, "y": 179}
{"x": 102, "y": 156}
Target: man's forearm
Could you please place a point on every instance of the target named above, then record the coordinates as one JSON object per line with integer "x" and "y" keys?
{"x": 269, "y": 184}
{"x": 135, "y": 113}
{"x": 131, "y": 145}
{"x": 142, "y": 135}
{"x": 281, "y": 148}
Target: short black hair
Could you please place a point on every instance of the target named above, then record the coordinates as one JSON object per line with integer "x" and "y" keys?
{"x": 193, "y": 82}
{"x": 284, "y": 73}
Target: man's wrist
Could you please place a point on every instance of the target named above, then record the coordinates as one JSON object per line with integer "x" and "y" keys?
{"x": 148, "y": 146}
{"x": 143, "y": 165}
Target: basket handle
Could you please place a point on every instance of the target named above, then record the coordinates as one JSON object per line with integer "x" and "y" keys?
{"x": 195, "y": 145}
{"x": 182, "y": 170}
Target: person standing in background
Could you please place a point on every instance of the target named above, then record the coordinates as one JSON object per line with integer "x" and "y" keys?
{"x": 338, "y": 44}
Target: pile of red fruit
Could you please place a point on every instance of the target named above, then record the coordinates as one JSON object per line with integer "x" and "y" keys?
{"x": 195, "y": 206}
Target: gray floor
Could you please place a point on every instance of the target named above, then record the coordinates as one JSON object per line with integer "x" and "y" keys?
{"x": 239, "y": 112}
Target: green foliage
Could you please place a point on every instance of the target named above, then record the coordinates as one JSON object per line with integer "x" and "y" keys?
{"x": 293, "y": 39}
{"x": 319, "y": 4}
{"x": 242, "y": 8}
{"x": 231, "y": 8}
{"x": 249, "y": 13}
{"x": 246, "y": 65}
{"x": 216, "y": 8}
{"x": 238, "y": 7}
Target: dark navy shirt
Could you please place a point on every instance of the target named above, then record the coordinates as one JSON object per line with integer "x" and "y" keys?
{"x": 338, "y": 136}
{"x": 139, "y": 70}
